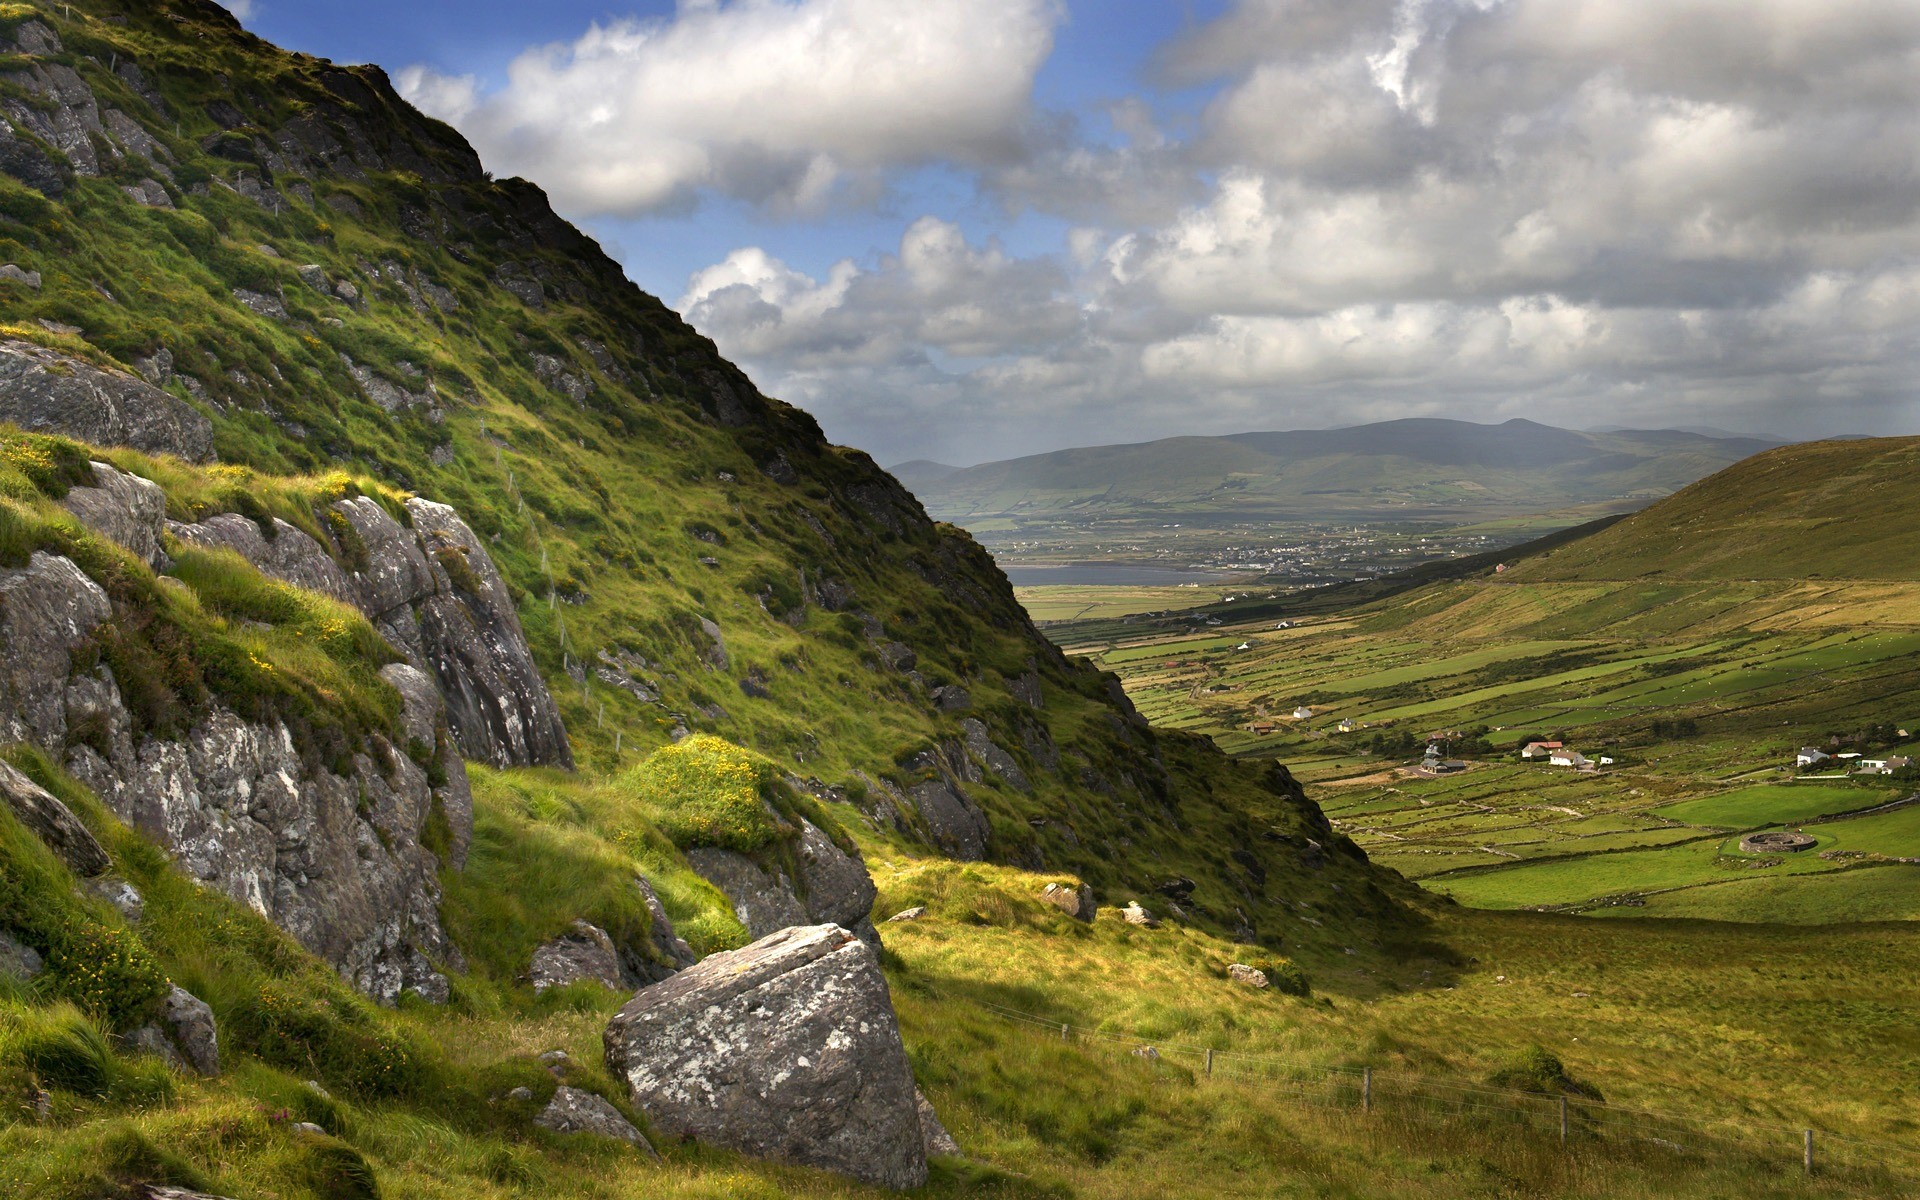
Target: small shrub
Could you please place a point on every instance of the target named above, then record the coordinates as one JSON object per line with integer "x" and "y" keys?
{"x": 705, "y": 791}
{"x": 1536, "y": 1069}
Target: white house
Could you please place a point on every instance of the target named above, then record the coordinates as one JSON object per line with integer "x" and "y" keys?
{"x": 1303, "y": 713}
{"x": 1244, "y": 646}
{"x": 1569, "y": 758}
{"x": 1883, "y": 766}
{"x": 1533, "y": 750}
{"x": 1810, "y": 756}
{"x": 1347, "y": 725}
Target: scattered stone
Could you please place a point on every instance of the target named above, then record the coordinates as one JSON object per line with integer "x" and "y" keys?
{"x": 261, "y": 304}
{"x": 313, "y": 1085}
{"x": 18, "y": 961}
{"x": 521, "y": 1094}
{"x": 1148, "y": 1053}
{"x": 1251, "y": 976}
{"x": 150, "y": 193}
{"x": 1076, "y": 902}
{"x": 1133, "y": 914}
{"x": 899, "y": 656}
{"x": 787, "y": 1049}
{"x": 997, "y": 760}
{"x": 11, "y": 273}
{"x": 909, "y": 914}
{"x": 309, "y": 1128}
{"x": 557, "y": 1060}
{"x": 51, "y": 821}
{"x": 584, "y": 952}
{"x": 958, "y": 826}
{"x": 934, "y": 1135}
{"x": 124, "y": 897}
{"x": 575, "y": 1111}
{"x": 836, "y": 885}
{"x": 952, "y": 698}
{"x": 157, "y": 1192}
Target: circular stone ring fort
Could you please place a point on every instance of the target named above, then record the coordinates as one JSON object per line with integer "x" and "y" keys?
{"x": 1775, "y": 843}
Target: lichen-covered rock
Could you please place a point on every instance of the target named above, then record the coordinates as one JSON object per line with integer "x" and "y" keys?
{"x": 575, "y": 1111}
{"x": 52, "y": 822}
{"x": 423, "y": 714}
{"x": 787, "y": 1049}
{"x": 334, "y": 854}
{"x": 122, "y": 508}
{"x": 189, "y": 1022}
{"x": 835, "y": 885}
{"x": 290, "y": 555}
{"x": 46, "y": 391}
{"x": 1133, "y": 914}
{"x": 497, "y": 703}
{"x": 1076, "y": 902}
{"x": 584, "y": 952}
{"x": 958, "y": 826}
{"x": 934, "y": 1135}
{"x": 1253, "y": 977}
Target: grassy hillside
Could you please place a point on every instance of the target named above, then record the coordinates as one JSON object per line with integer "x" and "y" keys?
{"x": 1397, "y": 470}
{"x": 1832, "y": 510}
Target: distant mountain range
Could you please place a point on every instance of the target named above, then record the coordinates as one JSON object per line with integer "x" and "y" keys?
{"x": 1414, "y": 469}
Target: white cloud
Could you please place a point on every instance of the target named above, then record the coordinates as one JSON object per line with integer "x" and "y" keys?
{"x": 784, "y": 103}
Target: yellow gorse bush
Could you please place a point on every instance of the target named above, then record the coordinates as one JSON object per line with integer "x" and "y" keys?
{"x": 706, "y": 791}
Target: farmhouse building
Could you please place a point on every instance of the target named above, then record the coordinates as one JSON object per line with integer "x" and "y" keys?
{"x": 1533, "y": 750}
{"x": 1810, "y": 756}
{"x": 1303, "y": 713}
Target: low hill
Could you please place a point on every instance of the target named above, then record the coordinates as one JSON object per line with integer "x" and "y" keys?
{"x": 1833, "y": 509}
{"x": 1408, "y": 469}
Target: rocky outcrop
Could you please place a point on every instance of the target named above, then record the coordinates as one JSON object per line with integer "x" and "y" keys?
{"x": 185, "y": 1035}
{"x": 122, "y": 508}
{"x": 575, "y": 1111}
{"x": 959, "y": 828}
{"x": 1133, "y": 914}
{"x": 45, "y": 391}
{"x": 985, "y": 751}
{"x": 1252, "y": 977}
{"x": 833, "y": 887}
{"x": 434, "y": 592}
{"x": 1076, "y": 902}
{"x": 18, "y": 961}
{"x": 584, "y": 952}
{"x": 52, "y": 822}
{"x": 333, "y": 853}
{"x": 933, "y": 1135}
{"x": 787, "y": 1049}
{"x": 667, "y": 945}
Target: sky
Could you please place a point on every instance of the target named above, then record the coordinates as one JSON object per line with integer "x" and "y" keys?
{"x": 965, "y": 230}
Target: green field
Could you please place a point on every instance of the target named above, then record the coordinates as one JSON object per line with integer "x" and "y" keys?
{"x": 1768, "y": 804}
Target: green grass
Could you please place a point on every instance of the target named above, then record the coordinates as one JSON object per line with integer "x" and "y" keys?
{"x": 1773, "y": 804}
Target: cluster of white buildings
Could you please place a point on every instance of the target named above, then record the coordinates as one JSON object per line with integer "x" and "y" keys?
{"x": 1558, "y": 754}
{"x": 1852, "y": 761}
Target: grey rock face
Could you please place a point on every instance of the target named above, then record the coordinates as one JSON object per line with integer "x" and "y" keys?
{"x": 124, "y": 508}
{"x": 18, "y": 961}
{"x": 952, "y": 698}
{"x": 666, "y": 943}
{"x": 291, "y": 556}
{"x": 574, "y": 1111}
{"x": 335, "y": 859}
{"x": 836, "y": 885}
{"x": 52, "y": 822}
{"x": 934, "y": 1135}
{"x": 1026, "y": 689}
{"x": 584, "y": 952}
{"x": 787, "y": 1049}
{"x": 125, "y": 898}
{"x": 763, "y": 901}
{"x": 14, "y": 273}
{"x": 46, "y": 391}
{"x": 150, "y": 193}
{"x": 1001, "y": 763}
{"x": 190, "y": 1022}
{"x": 497, "y": 703}
{"x": 424, "y": 716}
{"x": 958, "y": 827}
{"x": 1253, "y": 977}
{"x": 1076, "y": 902}
{"x": 1133, "y": 914}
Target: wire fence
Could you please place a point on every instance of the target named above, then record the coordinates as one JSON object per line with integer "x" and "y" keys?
{"x": 1575, "y": 1122}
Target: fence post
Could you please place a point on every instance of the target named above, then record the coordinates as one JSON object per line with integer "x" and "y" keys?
{"x": 1806, "y": 1156}
{"x": 1209, "y": 1064}
{"x": 1563, "y": 1120}
{"x": 1366, "y": 1089}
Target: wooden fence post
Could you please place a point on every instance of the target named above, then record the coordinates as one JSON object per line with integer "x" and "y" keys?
{"x": 1366, "y": 1089}
{"x": 1563, "y": 1120}
{"x": 1806, "y": 1154}
{"x": 1063, "y": 1031}
{"x": 1209, "y": 1064}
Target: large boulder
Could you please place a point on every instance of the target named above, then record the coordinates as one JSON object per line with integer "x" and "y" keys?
{"x": 45, "y": 391}
{"x": 1076, "y": 902}
{"x": 787, "y": 1049}
{"x": 122, "y": 508}
{"x": 52, "y": 822}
